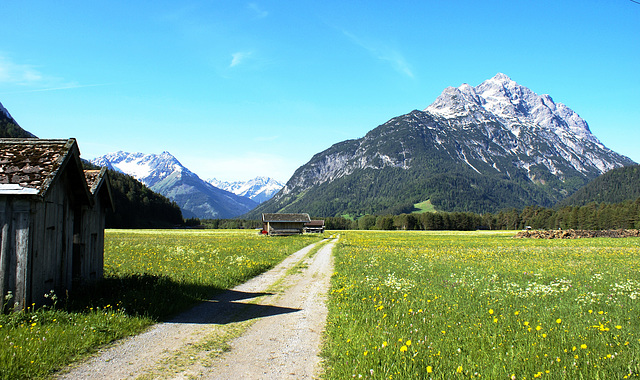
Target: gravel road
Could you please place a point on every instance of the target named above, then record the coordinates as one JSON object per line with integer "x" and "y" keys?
{"x": 271, "y": 328}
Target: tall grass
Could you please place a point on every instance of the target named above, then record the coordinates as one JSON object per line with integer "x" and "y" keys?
{"x": 149, "y": 275}
{"x": 466, "y": 305}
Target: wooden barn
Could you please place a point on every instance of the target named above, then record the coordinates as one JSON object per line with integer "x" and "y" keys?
{"x": 314, "y": 226}
{"x": 284, "y": 224}
{"x": 51, "y": 218}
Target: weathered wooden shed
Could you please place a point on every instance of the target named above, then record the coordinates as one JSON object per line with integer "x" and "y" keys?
{"x": 52, "y": 222}
{"x": 92, "y": 244}
{"x": 314, "y": 226}
{"x": 284, "y": 224}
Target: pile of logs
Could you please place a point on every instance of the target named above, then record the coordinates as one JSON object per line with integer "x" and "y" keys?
{"x": 575, "y": 234}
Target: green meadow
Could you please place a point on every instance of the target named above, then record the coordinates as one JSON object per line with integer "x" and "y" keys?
{"x": 442, "y": 305}
{"x": 402, "y": 305}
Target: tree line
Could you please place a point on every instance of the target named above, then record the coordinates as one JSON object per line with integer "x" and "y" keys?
{"x": 593, "y": 216}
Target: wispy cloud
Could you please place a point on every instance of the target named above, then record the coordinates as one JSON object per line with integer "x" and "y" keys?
{"x": 238, "y": 58}
{"x": 24, "y": 78}
{"x": 58, "y": 88}
{"x": 20, "y": 74}
{"x": 257, "y": 10}
{"x": 383, "y": 53}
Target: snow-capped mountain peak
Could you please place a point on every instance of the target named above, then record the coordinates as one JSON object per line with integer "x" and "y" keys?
{"x": 501, "y": 100}
{"x": 164, "y": 174}
{"x": 146, "y": 168}
{"x": 258, "y": 189}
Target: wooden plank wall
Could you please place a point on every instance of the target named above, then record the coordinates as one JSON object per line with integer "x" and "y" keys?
{"x": 14, "y": 250}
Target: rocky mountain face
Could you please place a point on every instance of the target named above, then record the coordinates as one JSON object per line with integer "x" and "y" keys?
{"x": 485, "y": 148}
{"x": 259, "y": 189}
{"x": 164, "y": 174}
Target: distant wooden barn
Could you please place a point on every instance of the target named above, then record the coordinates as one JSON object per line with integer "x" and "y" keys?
{"x": 51, "y": 218}
{"x": 284, "y": 224}
{"x": 314, "y": 226}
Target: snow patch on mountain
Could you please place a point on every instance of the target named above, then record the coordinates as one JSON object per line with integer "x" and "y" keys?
{"x": 146, "y": 168}
{"x": 163, "y": 173}
{"x": 526, "y": 116}
{"x": 259, "y": 189}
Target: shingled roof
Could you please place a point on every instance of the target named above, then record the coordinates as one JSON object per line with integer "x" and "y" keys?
{"x": 286, "y": 218}
{"x": 28, "y": 166}
{"x": 95, "y": 180}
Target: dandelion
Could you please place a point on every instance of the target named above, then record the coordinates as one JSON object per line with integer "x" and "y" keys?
{"x": 618, "y": 327}
{"x": 403, "y": 349}
{"x": 538, "y": 328}
{"x": 490, "y": 311}
{"x": 583, "y": 346}
{"x": 558, "y": 321}
{"x": 408, "y": 342}
{"x": 429, "y": 369}
{"x": 459, "y": 369}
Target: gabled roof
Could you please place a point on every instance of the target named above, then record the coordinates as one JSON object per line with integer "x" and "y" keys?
{"x": 286, "y": 218}
{"x": 315, "y": 223}
{"x": 100, "y": 186}
{"x": 29, "y": 166}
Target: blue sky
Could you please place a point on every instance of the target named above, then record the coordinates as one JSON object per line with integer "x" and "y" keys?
{"x": 237, "y": 89}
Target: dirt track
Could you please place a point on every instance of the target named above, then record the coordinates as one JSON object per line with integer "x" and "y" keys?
{"x": 273, "y": 324}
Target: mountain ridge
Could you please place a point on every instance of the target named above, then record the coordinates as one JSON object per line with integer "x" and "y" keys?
{"x": 478, "y": 149}
{"x": 259, "y": 189}
{"x": 163, "y": 173}
{"x": 9, "y": 127}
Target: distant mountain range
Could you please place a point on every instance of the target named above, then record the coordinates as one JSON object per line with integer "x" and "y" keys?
{"x": 259, "y": 189}
{"x": 164, "y": 174}
{"x": 481, "y": 149}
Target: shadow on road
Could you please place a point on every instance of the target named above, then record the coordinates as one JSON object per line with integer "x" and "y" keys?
{"x": 224, "y": 309}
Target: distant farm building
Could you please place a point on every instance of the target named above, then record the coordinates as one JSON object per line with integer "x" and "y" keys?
{"x": 314, "y": 226}
{"x": 284, "y": 224}
{"x": 51, "y": 218}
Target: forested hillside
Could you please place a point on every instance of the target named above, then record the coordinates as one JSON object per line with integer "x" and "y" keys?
{"x": 9, "y": 128}
{"x": 137, "y": 206}
{"x": 614, "y": 186}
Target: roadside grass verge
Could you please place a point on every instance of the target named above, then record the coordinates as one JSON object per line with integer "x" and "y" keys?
{"x": 482, "y": 305}
{"x": 150, "y": 275}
